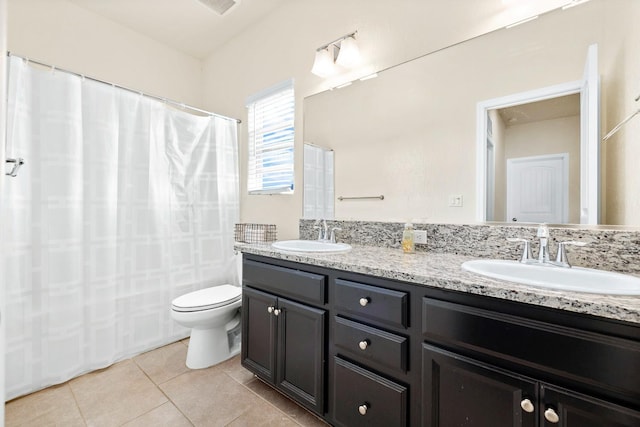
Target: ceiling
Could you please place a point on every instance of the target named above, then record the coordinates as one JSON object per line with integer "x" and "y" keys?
{"x": 554, "y": 108}
{"x": 186, "y": 25}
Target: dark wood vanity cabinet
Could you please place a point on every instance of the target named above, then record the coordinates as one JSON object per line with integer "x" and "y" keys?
{"x": 366, "y": 351}
{"x": 501, "y": 370}
{"x": 284, "y": 341}
{"x": 370, "y": 354}
{"x": 460, "y": 391}
{"x": 575, "y": 410}
{"x": 364, "y": 398}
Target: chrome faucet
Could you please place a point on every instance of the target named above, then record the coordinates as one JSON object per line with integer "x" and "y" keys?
{"x": 323, "y": 231}
{"x": 543, "y": 254}
{"x": 543, "y": 235}
{"x": 526, "y": 257}
{"x": 562, "y": 260}
{"x": 332, "y": 238}
{"x": 324, "y": 235}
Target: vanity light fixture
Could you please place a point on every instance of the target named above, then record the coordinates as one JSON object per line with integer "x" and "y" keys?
{"x": 323, "y": 64}
{"x": 349, "y": 55}
{"x": 342, "y": 51}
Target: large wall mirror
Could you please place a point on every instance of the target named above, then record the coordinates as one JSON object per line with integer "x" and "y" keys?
{"x": 411, "y": 134}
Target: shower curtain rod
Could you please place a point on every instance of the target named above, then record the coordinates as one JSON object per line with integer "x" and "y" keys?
{"x": 157, "y": 98}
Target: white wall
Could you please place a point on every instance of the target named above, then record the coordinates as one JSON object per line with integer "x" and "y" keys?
{"x": 621, "y": 181}
{"x": 60, "y": 33}
{"x": 283, "y": 45}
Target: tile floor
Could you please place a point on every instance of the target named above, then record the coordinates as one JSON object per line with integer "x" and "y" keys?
{"x": 156, "y": 389}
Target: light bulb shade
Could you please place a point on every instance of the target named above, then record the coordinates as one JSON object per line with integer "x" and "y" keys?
{"x": 349, "y": 55}
{"x": 323, "y": 64}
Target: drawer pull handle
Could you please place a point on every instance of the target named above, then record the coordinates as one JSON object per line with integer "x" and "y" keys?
{"x": 527, "y": 406}
{"x": 270, "y": 309}
{"x": 276, "y": 312}
{"x": 551, "y": 416}
{"x": 364, "y": 301}
{"x": 363, "y": 344}
{"x": 363, "y": 409}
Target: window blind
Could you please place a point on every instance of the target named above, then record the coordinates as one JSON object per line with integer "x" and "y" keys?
{"x": 271, "y": 135}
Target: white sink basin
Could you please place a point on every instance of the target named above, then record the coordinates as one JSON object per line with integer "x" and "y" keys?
{"x": 311, "y": 246}
{"x": 570, "y": 279}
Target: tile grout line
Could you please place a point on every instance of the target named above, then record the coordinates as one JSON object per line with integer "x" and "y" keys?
{"x": 73, "y": 394}
{"x": 164, "y": 394}
{"x": 260, "y": 397}
{"x": 268, "y": 402}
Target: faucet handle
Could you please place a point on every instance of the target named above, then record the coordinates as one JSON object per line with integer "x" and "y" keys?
{"x": 562, "y": 259}
{"x": 317, "y": 227}
{"x": 332, "y": 239}
{"x": 526, "y": 251}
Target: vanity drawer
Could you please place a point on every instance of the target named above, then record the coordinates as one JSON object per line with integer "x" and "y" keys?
{"x": 296, "y": 284}
{"x": 372, "y": 303}
{"x": 365, "y": 343}
{"x": 593, "y": 359}
{"x": 362, "y": 398}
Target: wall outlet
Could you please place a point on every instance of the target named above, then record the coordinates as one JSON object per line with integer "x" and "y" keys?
{"x": 455, "y": 201}
{"x": 420, "y": 237}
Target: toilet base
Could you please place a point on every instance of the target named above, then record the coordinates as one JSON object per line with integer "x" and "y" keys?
{"x": 208, "y": 347}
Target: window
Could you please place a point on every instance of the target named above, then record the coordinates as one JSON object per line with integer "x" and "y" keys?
{"x": 271, "y": 115}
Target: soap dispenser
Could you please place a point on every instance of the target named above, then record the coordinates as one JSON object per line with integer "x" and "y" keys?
{"x": 408, "y": 239}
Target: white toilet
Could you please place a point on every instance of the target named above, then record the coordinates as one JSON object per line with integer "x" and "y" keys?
{"x": 214, "y": 318}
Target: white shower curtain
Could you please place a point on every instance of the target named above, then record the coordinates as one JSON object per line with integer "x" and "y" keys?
{"x": 123, "y": 204}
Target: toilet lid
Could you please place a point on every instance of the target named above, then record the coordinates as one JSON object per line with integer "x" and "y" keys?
{"x": 204, "y": 299}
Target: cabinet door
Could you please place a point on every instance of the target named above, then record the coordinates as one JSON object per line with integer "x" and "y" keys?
{"x": 563, "y": 408}
{"x": 458, "y": 391}
{"x": 301, "y": 353}
{"x": 365, "y": 399}
{"x": 258, "y": 333}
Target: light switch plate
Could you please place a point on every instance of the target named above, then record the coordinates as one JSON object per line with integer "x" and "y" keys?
{"x": 455, "y": 200}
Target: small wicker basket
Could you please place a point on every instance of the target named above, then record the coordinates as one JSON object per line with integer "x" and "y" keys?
{"x": 255, "y": 233}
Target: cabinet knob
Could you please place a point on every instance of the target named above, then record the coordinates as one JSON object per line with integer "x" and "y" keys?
{"x": 527, "y": 406}
{"x": 551, "y": 416}
{"x": 363, "y": 409}
{"x": 363, "y": 344}
{"x": 364, "y": 301}
{"x": 276, "y": 312}
{"x": 270, "y": 309}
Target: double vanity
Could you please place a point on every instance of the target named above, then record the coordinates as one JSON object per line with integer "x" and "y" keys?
{"x": 375, "y": 337}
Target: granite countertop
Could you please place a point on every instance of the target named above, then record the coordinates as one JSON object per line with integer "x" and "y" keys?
{"x": 444, "y": 271}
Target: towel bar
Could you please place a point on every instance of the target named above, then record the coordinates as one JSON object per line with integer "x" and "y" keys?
{"x": 341, "y": 198}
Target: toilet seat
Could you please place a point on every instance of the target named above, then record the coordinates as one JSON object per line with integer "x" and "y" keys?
{"x": 208, "y": 298}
